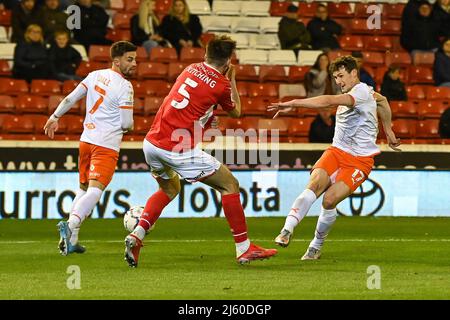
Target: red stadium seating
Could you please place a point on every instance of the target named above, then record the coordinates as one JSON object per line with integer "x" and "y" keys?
{"x": 415, "y": 92}
{"x": 99, "y": 53}
{"x": 243, "y": 89}
{"x": 254, "y": 106}
{"x": 423, "y": 59}
{"x": 379, "y": 43}
{"x": 7, "y": 104}
{"x": 206, "y": 37}
{"x": 142, "y": 124}
{"x": 245, "y": 123}
{"x": 361, "y": 10}
{"x": 85, "y": 67}
{"x": 297, "y": 73}
{"x": 45, "y": 87}
{"x": 152, "y": 104}
{"x": 5, "y": 18}
{"x": 300, "y": 127}
{"x": 390, "y": 27}
{"x": 263, "y": 90}
{"x": 117, "y": 5}
{"x": 340, "y": 10}
{"x": 18, "y": 124}
{"x": 351, "y": 42}
{"x": 192, "y": 55}
{"x": 158, "y": 88}
{"x": 404, "y": 128}
{"x": 131, "y": 6}
{"x": 427, "y": 129}
{"x": 141, "y": 55}
{"x": 39, "y": 122}
{"x": 118, "y": 35}
{"x": 359, "y": 26}
{"x": 163, "y": 55}
{"x": 279, "y": 125}
{"x": 403, "y": 109}
{"x": 431, "y": 109}
{"x": 5, "y": 69}
{"x": 13, "y": 86}
{"x": 306, "y": 9}
{"x": 175, "y": 68}
{"x": 381, "y": 70}
{"x": 69, "y": 86}
{"x": 53, "y": 102}
{"x": 122, "y": 20}
{"x": 438, "y": 93}
{"x": 246, "y": 72}
{"x": 73, "y": 123}
{"x": 31, "y": 104}
{"x": 278, "y": 8}
{"x": 272, "y": 73}
{"x": 152, "y": 70}
{"x": 393, "y": 11}
{"x": 398, "y": 59}
{"x": 420, "y": 75}
{"x": 163, "y": 6}
{"x": 373, "y": 58}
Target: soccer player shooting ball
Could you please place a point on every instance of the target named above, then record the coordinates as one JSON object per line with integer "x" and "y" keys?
{"x": 345, "y": 165}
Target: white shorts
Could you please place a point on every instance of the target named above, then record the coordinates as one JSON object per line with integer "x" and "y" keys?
{"x": 193, "y": 165}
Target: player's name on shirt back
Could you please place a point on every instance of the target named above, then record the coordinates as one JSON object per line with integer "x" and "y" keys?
{"x": 199, "y": 71}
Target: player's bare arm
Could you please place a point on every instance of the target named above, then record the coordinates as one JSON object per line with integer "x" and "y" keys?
{"x": 236, "y": 112}
{"x": 68, "y": 102}
{"x": 324, "y": 101}
{"x": 384, "y": 112}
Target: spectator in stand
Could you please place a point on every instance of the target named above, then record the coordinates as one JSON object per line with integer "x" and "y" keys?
{"x": 444, "y": 124}
{"x": 64, "y": 59}
{"x": 8, "y": 4}
{"x": 318, "y": 81}
{"x": 22, "y": 16}
{"x": 364, "y": 76}
{"x": 441, "y": 68}
{"x": 292, "y": 33}
{"x": 392, "y": 87}
{"x": 180, "y": 27}
{"x": 30, "y": 56}
{"x": 145, "y": 28}
{"x": 53, "y": 18}
{"x": 441, "y": 12}
{"x": 421, "y": 31}
{"x": 324, "y": 31}
{"x": 322, "y": 128}
{"x": 105, "y": 4}
{"x": 94, "y": 22}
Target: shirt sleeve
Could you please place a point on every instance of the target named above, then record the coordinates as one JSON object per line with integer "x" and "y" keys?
{"x": 126, "y": 100}
{"x": 361, "y": 95}
{"x": 226, "y": 101}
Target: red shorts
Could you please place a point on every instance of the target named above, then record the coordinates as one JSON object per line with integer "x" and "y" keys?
{"x": 352, "y": 170}
{"x": 96, "y": 163}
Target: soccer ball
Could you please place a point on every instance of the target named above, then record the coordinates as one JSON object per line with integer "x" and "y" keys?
{"x": 131, "y": 218}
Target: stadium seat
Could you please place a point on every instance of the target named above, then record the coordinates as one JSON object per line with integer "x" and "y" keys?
{"x": 291, "y": 91}
{"x": 297, "y": 73}
{"x": 69, "y": 85}
{"x": 138, "y": 106}
{"x": 361, "y": 9}
{"x": 359, "y": 26}
{"x": 216, "y": 23}
{"x": 142, "y": 125}
{"x": 404, "y": 128}
{"x": 373, "y": 58}
{"x": 199, "y": 7}
{"x": 403, "y": 109}
{"x": 162, "y": 6}
{"x": 420, "y": 75}
{"x": 86, "y": 67}
{"x": 252, "y": 56}
{"x": 398, "y": 58}
{"x": 174, "y": 70}
{"x": 246, "y": 72}
{"x": 164, "y": 55}
{"x": 415, "y": 92}
{"x": 6, "y": 104}
{"x": 246, "y": 24}
{"x": 269, "y": 24}
{"x": 308, "y": 57}
{"x": 31, "y": 104}
{"x": 131, "y": 6}
{"x": 378, "y": 43}
{"x": 39, "y": 122}
{"x": 272, "y": 73}
{"x": 152, "y": 70}
{"x": 192, "y": 55}
{"x": 122, "y": 20}
{"x": 262, "y": 90}
{"x": 157, "y": 88}
{"x": 17, "y": 124}
{"x": 255, "y": 106}
{"x": 73, "y": 123}
{"x": 333, "y": 55}
{"x": 423, "y": 59}
{"x": 152, "y": 104}
{"x": 5, "y": 18}
{"x": 13, "y": 86}
{"x": 226, "y": 8}
{"x": 390, "y": 27}
{"x": 5, "y": 68}
{"x": 264, "y": 41}
{"x": 118, "y": 35}
{"x": 340, "y": 10}
{"x": 431, "y": 109}
{"x": 255, "y": 8}
{"x": 307, "y": 9}
{"x": 438, "y": 93}
{"x": 141, "y": 55}
{"x": 300, "y": 127}
{"x": 351, "y": 42}
{"x": 278, "y": 8}
{"x": 117, "y": 5}
{"x": 279, "y": 126}
{"x": 53, "y": 102}
{"x": 427, "y": 129}
{"x": 242, "y": 88}
{"x": 45, "y": 87}
{"x": 245, "y": 123}
{"x": 282, "y": 57}
{"x": 394, "y": 10}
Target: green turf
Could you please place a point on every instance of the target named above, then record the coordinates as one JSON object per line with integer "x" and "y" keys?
{"x": 412, "y": 253}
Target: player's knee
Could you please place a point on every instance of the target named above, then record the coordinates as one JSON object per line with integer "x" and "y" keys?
{"x": 329, "y": 201}
{"x": 231, "y": 186}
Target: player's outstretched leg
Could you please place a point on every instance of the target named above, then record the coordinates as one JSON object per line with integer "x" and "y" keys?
{"x": 228, "y": 186}
{"x": 169, "y": 189}
{"x": 318, "y": 182}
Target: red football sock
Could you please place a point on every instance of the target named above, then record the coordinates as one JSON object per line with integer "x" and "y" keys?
{"x": 234, "y": 213}
{"x": 153, "y": 208}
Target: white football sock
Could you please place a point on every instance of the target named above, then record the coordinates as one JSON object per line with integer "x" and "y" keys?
{"x": 299, "y": 209}
{"x": 242, "y": 247}
{"x": 74, "y": 237}
{"x": 139, "y": 232}
{"x": 84, "y": 206}
{"x": 323, "y": 227}
{"x": 75, "y": 220}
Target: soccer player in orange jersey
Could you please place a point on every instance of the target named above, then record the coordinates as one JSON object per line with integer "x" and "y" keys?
{"x": 109, "y": 114}
{"x": 170, "y": 147}
{"x": 345, "y": 165}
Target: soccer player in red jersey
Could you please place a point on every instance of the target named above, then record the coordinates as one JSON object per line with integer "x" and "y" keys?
{"x": 170, "y": 147}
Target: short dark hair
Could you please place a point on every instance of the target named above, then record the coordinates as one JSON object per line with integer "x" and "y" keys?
{"x": 119, "y": 48}
{"x": 348, "y": 62}
{"x": 220, "y": 49}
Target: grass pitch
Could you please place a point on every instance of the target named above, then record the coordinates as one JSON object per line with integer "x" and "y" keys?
{"x": 194, "y": 259}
